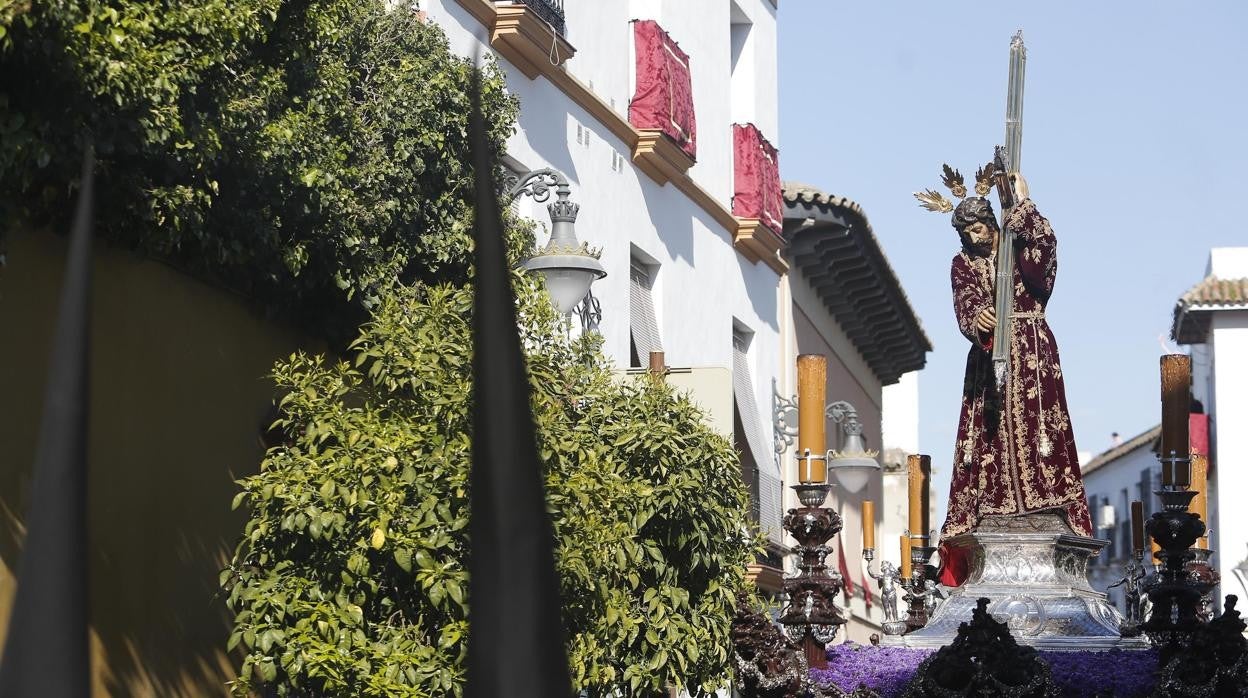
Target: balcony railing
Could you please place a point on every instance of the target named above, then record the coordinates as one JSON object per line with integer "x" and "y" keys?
{"x": 549, "y": 11}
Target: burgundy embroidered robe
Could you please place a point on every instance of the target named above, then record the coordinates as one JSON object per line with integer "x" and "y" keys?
{"x": 1015, "y": 452}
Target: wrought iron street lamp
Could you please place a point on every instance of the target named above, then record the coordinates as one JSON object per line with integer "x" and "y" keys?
{"x": 567, "y": 266}
{"x": 853, "y": 465}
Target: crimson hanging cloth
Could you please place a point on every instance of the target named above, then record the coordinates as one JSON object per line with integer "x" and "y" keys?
{"x": 1198, "y": 434}
{"x": 756, "y": 175}
{"x": 866, "y": 589}
{"x": 663, "y": 99}
{"x": 843, "y": 566}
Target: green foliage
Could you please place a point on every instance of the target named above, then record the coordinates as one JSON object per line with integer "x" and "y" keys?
{"x": 350, "y": 579}
{"x": 305, "y": 152}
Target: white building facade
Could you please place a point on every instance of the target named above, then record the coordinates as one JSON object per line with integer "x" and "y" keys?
{"x": 1125, "y": 473}
{"x": 1212, "y": 317}
{"x": 692, "y": 270}
{"x": 698, "y": 258}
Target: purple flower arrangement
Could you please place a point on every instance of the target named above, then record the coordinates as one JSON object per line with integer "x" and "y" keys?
{"x": 1123, "y": 674}
{"x": 887, "y": 670}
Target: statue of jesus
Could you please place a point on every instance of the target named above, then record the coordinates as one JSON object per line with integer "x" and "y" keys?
{"x": 1015, "y": 450}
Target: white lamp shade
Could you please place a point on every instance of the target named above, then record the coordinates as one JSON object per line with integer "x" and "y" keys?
{"x": 567, "y": 287}
{"x": 853, "y": 478}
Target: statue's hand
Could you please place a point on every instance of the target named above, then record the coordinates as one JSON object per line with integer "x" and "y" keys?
{"x": 986, "y": 320}
{"x": 1021, "y": 190}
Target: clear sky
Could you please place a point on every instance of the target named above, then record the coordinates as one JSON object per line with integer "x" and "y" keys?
{"x": 1134, "y": 145}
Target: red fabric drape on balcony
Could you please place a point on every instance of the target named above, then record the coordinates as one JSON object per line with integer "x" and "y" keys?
{"x": 757, "y": 178}
{"x": 1198, "y": 433}
{"x": 664, "y": 96}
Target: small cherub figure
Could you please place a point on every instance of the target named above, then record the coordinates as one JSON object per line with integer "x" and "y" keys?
{"x": 889, "y": 579}
{"x": 1134, "y": 610}
{"x": 930, "y": 595}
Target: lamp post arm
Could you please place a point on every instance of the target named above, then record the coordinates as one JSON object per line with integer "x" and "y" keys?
{"x": 538, "y": 184}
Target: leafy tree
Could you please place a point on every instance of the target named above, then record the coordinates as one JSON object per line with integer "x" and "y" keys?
{"x": 305, "y": 152}
{"x": 350, "y": 579}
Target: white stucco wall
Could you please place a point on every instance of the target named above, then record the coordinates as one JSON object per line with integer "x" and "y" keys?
{"x": 1119, "y": 482}
{"x": 702, "y": 282}
{"x": 1229, "y": 415}
{"x": 901, "y": 413}
{"x": 1228, "y": 262}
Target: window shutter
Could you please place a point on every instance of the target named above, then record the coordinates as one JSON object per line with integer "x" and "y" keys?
{"x": 769, "y": 483}
{"x": 643, "y": 325}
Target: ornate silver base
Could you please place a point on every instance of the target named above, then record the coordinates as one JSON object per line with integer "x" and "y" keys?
{"x": 1034, "y": 571}
{"x": 894, "y": 627}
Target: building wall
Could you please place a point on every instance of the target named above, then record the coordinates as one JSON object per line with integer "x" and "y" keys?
{"x": 900, "y": 414}
{"x": 1228, "y": 409}
{"x": 1220, "y": 382}
{"x": 1119, "y": 482}
{"x": 179, "y": 395}
{"x": 702, "y": 284}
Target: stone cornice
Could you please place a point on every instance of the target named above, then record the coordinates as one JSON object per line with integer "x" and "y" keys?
{"x": 757, "y": 243}
{"x": 657, "y": 156}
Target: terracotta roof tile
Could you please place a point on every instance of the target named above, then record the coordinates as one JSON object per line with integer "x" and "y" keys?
{"x": 1191, "y": 319}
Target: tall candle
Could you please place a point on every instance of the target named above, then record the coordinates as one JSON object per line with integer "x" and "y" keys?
{"x": 905, "y": 556}
{"x": 920, "y": 475}
{"x": 812, "y": 397}
{"x": 868, "y": 524}
{"x": 1176, "y": 403}
{"x": 1200, "y": 503}
{"x": 1137, "y": 526}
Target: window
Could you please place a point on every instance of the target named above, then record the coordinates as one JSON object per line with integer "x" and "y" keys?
{"x": 741, "y": 80}
{"x": 757, "y": 466}
{"x": 1146, "y": 491}
{"x": 643, "y": 324}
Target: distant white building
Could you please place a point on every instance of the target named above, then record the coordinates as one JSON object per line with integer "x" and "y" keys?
{"x": 1212, "y": 317}
{"x": 1125, "y": 473}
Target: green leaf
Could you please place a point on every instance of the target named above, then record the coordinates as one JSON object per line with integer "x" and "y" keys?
{"x": 403, "y": 557}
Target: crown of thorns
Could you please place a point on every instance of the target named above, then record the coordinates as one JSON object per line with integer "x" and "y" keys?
{"x": 934, "y": 201}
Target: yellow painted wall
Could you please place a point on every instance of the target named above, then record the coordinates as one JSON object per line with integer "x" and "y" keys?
{"x": 179, "y": 393}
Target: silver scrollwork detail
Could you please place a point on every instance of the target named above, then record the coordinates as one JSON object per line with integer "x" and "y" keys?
{"x": 590, "y": 312}
{"x": 537, "y": 184}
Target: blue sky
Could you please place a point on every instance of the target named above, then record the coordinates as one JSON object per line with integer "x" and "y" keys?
{"x": 1134, "y": 145}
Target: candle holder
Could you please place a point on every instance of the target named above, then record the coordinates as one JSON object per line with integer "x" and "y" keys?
{"x": 920, "y": 591}
{"x": 1134, "y": 581}
{"x": 1202, "y": 575}
{"x": 1175, "y": 600}
{"x": 811, "y": 618}
{"x": 809, "y": 485}
{"x": 890, "y": 581}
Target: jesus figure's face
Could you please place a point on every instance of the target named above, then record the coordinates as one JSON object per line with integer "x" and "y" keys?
{"x": 982, "y": 236}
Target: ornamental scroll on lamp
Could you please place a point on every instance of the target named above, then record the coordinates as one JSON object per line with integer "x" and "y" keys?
{"x": 852, "y": 465}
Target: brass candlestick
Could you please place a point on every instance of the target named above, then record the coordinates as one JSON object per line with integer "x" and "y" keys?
{"x": 812, "y": 617}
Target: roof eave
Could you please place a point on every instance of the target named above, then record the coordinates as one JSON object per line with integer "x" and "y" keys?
{"x": 841, "y": 229}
